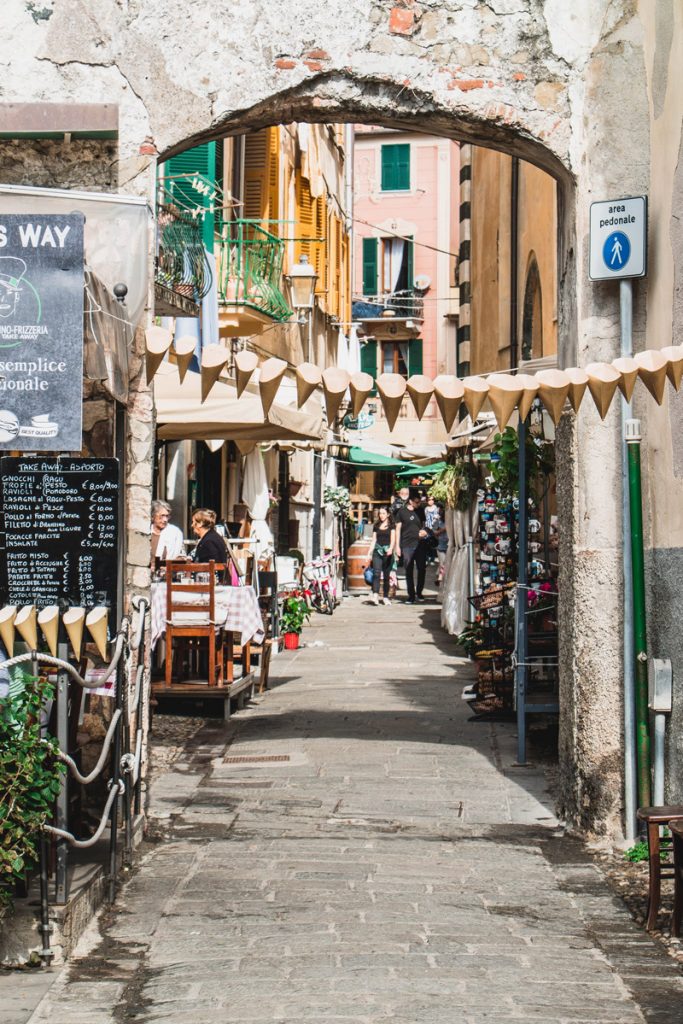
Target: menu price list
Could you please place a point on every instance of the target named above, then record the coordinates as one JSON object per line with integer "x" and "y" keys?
{"x": 58, "y": 531}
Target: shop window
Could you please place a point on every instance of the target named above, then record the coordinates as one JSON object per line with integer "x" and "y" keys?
{"x": 532, "y": 319}
{"x": 396, "y": 167}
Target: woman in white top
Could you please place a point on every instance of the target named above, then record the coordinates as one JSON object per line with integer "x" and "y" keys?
{"x": 167, "y": 540}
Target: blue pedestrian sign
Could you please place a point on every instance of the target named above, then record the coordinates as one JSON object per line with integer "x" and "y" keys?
{"x": 618, "y": 238}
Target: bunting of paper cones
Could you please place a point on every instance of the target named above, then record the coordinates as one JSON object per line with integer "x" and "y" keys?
{"x": 214, "y": 444}
{"x": 96, "y": 622}
{"x": 183, "y": 350}
{"x": 361, "y": 386}
{"x": 505, "y": 392}
{"x": 449, "y": 392}
{"x": 214, "y": 359}
{"x": 308, "y": 378}
{"x": 7, "y": 616}
{"x": 674, "y": 364}
{"x": 578, "y": 382}
{"x": 553, "y": 389}
{"x": 335, "y": 383}
{"x": 530, "y": 385}
{"x": 628, "y": 368}
{"x": 245, "y": 364}
{"x": 73, "y": 621}
{"x": 25, "y": 623}
{"x": 157, "y": 343}
{"x": 652, "y": 369}
{"x": 272, "y": 372}
{"x": 476, "y": 390}
{"x": 391, "y": 388}
{"x": 48, "y": 620}
{"x": 603, "y": 381}
{"x": 420, "y": 389}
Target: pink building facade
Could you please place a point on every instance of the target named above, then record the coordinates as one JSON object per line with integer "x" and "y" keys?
{"x": 406, "y": 215}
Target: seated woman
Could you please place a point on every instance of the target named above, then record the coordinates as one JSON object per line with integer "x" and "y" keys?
{"x": 211, "y": 546}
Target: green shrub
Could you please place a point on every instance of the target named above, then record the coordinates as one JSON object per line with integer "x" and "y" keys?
{"x": 29, "y": 783}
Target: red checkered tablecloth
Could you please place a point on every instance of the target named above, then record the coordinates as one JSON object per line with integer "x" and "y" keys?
{"x": 236, "y": 609}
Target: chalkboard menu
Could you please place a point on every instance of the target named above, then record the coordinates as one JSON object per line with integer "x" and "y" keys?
{"x": 59, "y": 531}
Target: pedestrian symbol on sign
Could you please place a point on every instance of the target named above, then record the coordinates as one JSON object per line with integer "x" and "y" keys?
{"x": 616, "y": 250}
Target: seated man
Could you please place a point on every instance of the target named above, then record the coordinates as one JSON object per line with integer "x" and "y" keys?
{"x": 167, "y": 540}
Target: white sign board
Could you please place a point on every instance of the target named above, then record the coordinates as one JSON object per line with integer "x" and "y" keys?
{"x": 618, "y": 239}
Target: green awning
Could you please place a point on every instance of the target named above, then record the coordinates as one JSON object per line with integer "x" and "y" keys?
{"x": 371, "y": 460}
{"x": 432, "y": 470}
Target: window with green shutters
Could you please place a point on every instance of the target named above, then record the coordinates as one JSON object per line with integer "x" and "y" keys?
{"x": 180, "y": 170}
{"x": 368, "y": 360}
{"x": 396, "y": 167}
{"x": 369, "y": 266}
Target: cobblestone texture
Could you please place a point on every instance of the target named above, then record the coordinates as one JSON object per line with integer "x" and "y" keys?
{"x": 395, "y": 868}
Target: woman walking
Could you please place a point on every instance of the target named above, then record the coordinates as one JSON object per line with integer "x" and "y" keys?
{"x": 381, "y": 553}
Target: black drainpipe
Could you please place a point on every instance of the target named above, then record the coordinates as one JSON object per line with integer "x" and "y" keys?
{"x": 514, "y": 232}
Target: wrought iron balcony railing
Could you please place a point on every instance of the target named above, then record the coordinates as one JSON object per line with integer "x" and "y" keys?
{"x": 250, "y": 269}
{"x": 408, "y": 304}
{"x": 181, "y": 263}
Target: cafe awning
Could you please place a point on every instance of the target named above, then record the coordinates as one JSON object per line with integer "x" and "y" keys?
{"x": 182, "y": 416}
{"x": 373, "y": 461}
{"x": 430, "y": 470}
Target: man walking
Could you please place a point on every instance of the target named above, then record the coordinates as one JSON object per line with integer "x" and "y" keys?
{"x": 410, "y": 542}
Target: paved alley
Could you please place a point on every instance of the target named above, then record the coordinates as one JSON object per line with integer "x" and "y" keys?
{"x": 353, "y": 848}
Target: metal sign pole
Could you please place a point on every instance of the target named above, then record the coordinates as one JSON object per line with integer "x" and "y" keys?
{"x": 630, "y": 786}
{"x": 62, "y": 885}
{"x": 521, "y": 622}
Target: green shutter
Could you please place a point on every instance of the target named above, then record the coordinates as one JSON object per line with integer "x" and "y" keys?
{"x": 411, "y": 272}
{"x": 369, "y": 266}
{"x": 414, "y": 356}
{"x": 199, "y": 160}
{"x": 396, "y": 168}
{"x": 368, "y": 360}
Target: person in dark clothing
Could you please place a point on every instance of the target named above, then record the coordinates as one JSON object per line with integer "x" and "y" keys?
{"x": 381, "y": 553}
{"x": 399, "y": 501}
{"x": 410, "y": 542}
{"x": 211, "y": 546}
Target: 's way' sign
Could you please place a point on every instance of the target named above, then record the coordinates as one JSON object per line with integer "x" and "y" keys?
{"x": 618, "y": 239}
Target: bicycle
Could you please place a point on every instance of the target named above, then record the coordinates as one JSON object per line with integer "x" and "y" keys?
{"x": 317, "y": 576}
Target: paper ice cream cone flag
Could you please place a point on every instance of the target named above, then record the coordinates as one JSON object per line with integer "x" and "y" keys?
{"x": 96, "y": 621}
{"x": 530, "y": 385}
{"x": 361, "y": 386}
{"x": 505, "y": 392}
{"x": 73, "y": 621}
{"x": 214, "y": 359}
{"x": 420, "y": 389}
{"x": 245, "y": 364}
{"x": 448, "y": 392}
{"x": 7, "y": 616}
{"x": 25, "y": 623}
{"x": 335, "y": 383}
{"x": 48, "y": 620}
{"x": 652, "y": 369}
{"x": 553, "y": 389}
{"x": 214, "y": 444}
{"x": 391, "y": 388}
{"x": 272, "y": 372}
{"x": 628, "y": 368}
{"x": 578, "y": 382}
{"x": 603, "y": 380}
{"x": 183, "y": 350}
{"x": 674, "y": 364}
{"x": 157, "y": 343}
{"x": 308, "y": 378}
{"x": 476, "y": 390}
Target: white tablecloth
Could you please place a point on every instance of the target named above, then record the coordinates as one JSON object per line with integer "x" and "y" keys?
{"x": 236, "y": 609}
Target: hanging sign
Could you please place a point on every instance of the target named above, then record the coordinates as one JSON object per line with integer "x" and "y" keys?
{"x": 58, "y": 532}
{"x": 41, "y": 331}
{"x": 618, "y": 239}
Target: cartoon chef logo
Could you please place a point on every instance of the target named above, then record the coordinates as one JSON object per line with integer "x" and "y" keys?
{"x": 12, "y": 281}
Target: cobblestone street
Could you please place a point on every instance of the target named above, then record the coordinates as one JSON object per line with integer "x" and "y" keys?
{"x": 353, "y": 848}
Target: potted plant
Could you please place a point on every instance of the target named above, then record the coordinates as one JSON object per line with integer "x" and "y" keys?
{"x": 295, "y": 611}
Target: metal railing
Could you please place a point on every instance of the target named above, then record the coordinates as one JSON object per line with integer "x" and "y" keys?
{"x": 406, "y": 303}
{"x": 250, "y": 269}
{"x": 181, "y": 263}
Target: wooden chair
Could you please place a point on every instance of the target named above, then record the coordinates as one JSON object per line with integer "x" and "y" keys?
{"x": 676, "y": 826}
{"x": 655, "y": 818}
{"x": 202, "y": 585}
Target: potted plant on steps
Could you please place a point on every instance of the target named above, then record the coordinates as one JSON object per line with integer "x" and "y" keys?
{"x": 295, "y": 611}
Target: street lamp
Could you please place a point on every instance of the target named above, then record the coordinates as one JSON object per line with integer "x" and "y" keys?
{"x": 301, "y": 280}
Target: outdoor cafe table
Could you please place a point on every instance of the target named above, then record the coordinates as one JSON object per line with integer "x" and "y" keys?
{"x": 236, "y": 610}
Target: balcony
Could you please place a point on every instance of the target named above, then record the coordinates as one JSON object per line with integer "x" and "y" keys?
{"x": 249, "y": 279}
{"x": 391, "y": 316}
{"x": 182, "y": 273}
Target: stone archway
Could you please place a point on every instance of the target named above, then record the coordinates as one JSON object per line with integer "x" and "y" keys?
{"x": 531, "y": 79}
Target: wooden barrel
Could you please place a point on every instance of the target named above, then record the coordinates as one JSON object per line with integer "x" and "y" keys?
{"x": 358, "y": 558}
